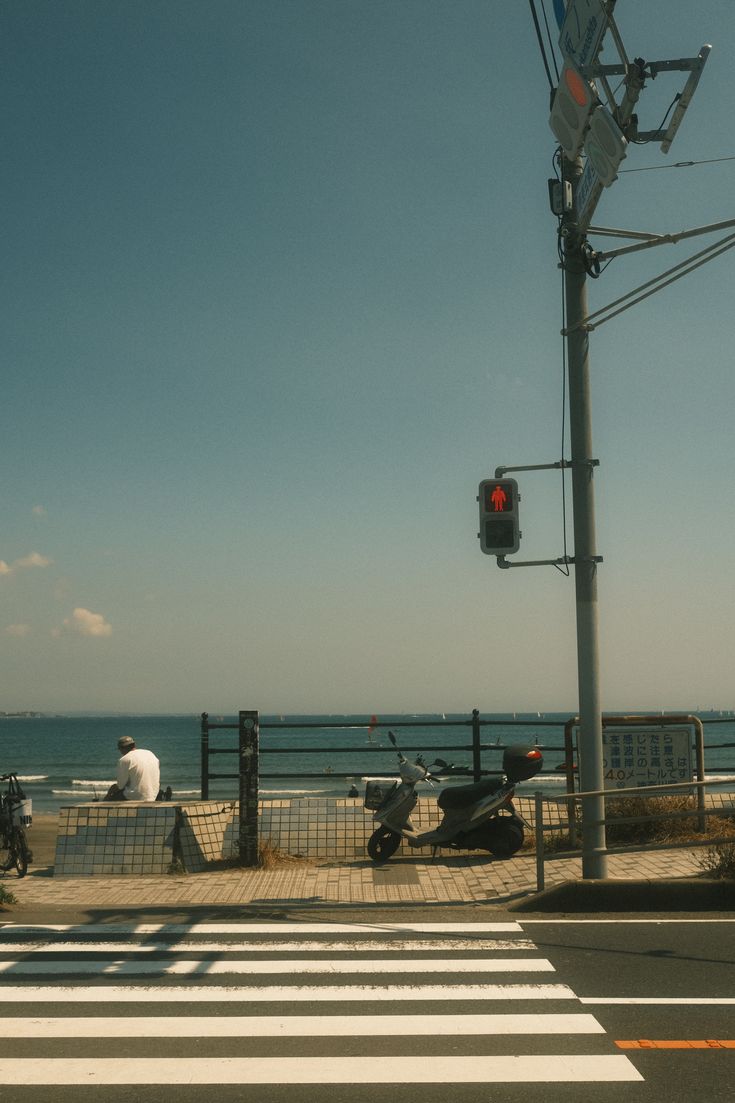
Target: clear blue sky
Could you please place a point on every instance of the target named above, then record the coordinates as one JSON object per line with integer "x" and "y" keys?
{"x": 279, "y": 288}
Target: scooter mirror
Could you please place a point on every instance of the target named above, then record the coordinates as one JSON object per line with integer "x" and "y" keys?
{"x": 522, "y": 762}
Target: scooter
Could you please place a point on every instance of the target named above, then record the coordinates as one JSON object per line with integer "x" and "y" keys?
{"x": 480, "y": 816}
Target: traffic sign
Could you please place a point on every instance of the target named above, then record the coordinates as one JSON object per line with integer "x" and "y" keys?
{"x": 589, "y": 190}
{"x": 559, "y": 12}
{"x": 605, "y": 145}
{"x": 573, "y": 103}
{"x": 583, "y": 30}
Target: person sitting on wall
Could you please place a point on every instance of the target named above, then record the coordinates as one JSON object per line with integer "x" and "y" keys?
{"x": 138, "y": 773}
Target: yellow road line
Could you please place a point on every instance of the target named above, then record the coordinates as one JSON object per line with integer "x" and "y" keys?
{"x": 708, "y": 1043}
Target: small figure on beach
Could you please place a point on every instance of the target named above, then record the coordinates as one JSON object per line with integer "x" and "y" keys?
{"x": 138, "y": 773}
{"x": 353, "y": 791}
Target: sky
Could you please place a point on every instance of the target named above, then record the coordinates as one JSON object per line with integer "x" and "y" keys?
{"x": 280, "y": 287}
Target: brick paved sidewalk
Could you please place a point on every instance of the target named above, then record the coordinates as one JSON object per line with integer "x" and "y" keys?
{"x": 453, "y": 879}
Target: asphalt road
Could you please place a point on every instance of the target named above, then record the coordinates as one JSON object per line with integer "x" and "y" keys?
{"x": 667, "y": 975}
{"x": 648, "y": 988}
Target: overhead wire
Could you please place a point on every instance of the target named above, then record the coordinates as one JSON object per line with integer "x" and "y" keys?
{"x": 680, "y": 164}
{"x": 565, "y": 568}
{"x": 541, "y": 43}
{"x": 658, "y": 283}
{"x": 555, "y": 164}
{"x": 551, "y": 44}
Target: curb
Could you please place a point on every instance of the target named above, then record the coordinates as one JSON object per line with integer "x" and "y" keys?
{"x": 684, "y": 894}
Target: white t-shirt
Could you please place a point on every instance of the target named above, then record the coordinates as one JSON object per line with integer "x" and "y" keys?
{"x": 139, "y": 774}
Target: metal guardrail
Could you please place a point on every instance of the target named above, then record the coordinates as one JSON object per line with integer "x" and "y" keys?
{"x": 476, "y": 747}
{"x": 249, "y": 751}
{"x": 700, "y": 813}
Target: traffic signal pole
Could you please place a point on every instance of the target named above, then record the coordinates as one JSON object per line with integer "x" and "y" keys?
{"x": 594, "y": 855}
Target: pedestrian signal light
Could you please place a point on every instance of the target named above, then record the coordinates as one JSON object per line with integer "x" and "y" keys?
{"x": 605, "y": 145}
{"x": 571, "y": 108}
{"x": 499, "y": 531}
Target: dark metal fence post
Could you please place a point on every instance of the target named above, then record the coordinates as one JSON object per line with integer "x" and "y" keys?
{"x": 248, "y": 731}
{"x": 205, "y": 756}
{"x": 538, "y": 827}
{"x": 476, "y": 757}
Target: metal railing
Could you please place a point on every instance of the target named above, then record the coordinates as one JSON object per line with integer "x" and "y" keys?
{"x": 475, "y": 747}
{"x": 250, "y": 750}
{"x": 700, "y": 813}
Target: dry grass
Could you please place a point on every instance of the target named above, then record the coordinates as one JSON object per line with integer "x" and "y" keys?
{"x": 719, "y": 861}
{"x": 270, "y": 856}
{"x": 660, "y": 831}
{"x": 649, "y": 831}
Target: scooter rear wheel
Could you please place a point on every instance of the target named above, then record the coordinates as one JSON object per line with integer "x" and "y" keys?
{"x": 382, "y": 844}
{"x": 504, "y": 836}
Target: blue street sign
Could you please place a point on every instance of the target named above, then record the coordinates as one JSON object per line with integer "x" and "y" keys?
{"x": 583, "y": 30}
{"x": 589, "y": 190}
{"x": 560, "y": 10}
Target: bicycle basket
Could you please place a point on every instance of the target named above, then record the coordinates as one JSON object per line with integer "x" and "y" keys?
{"x": 21, "y": 812}
{"x": 377, "y": 793}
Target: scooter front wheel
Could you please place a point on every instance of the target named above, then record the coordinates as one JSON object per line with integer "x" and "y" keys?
{"x": 382, "y": 844}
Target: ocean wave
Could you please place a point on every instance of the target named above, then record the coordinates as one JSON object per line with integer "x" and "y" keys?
{"x": 77, "y": 793}
{"x": 86, "y": 784}
{"x": 33, "y": 777}
{"x": 293, "y": 792}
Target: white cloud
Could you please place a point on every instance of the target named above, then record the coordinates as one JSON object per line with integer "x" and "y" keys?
{"x": 87, "y": 623}
{"x": 33, "y": 559}
{"x": 18, "y": 630}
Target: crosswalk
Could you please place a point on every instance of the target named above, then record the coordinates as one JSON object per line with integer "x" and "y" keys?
{"x": 292, "y": 1004}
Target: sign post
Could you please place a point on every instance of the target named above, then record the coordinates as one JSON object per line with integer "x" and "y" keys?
{"x": 248, "y": 732}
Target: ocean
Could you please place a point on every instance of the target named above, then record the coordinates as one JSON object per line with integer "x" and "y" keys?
{"x": 65, "y": 760}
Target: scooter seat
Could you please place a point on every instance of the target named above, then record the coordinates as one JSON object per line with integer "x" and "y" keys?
{"x": 464, "y": 795}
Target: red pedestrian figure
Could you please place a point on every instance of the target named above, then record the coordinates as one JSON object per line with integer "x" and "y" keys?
{"x": 499, "y": 499}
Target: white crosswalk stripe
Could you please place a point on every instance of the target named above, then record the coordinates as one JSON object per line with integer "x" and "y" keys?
{"x": 186, "y": 966}
{"x": 233, "y": 973}
{"x": 315, "y": 1070}
{"x": 304, "y": 946}
{"x": 355, "y": 993}
{"x": 296, "y": 1026}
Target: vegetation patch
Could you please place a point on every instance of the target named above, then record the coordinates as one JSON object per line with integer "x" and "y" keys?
{"x": 7, "y": 897}
{"x": 270, "y": 856}
{"x": 719, "y": 861}
{"x": 620, "y": 831}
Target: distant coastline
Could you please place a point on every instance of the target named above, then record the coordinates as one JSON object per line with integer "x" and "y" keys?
{"x": 28, "y": 715}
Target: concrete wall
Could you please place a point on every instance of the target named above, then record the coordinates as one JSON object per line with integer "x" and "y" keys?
{"x": 135, "y": 837}
{"x": 139, "y": 838}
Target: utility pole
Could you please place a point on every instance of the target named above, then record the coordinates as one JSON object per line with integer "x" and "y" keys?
{"x": 594, "y": 855}
{"x": 583, "y": 124}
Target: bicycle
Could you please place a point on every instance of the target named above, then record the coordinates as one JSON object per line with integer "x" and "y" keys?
{"x": 15, "y": 816}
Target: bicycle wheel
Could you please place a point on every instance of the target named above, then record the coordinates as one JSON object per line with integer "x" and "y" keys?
{"x": 7, "y": 860}
{"x": 21, "y": 851}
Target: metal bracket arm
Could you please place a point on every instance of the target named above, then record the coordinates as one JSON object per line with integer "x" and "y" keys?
{"x": 558, "y": 466}
{"x": 563, "y": 560}
{"x": 679, "y": 65}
